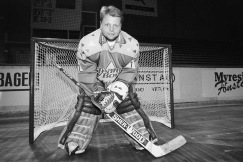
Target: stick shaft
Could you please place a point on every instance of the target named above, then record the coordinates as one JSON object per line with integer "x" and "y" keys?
{"x": 81, "y": 85}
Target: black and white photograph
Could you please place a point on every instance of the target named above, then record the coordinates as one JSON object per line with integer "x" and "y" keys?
{"x": 121, "y": 81}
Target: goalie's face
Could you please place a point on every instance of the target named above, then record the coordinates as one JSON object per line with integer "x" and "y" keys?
{"x": 111, "y": 27}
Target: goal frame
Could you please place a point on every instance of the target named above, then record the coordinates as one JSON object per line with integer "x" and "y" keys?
{"x": 32, "y": 73}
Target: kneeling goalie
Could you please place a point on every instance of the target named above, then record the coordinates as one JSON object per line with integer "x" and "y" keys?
{"x": 118, "y": 97}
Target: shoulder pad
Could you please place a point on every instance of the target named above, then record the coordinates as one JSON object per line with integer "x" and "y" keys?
{"x": 90, "y": 43}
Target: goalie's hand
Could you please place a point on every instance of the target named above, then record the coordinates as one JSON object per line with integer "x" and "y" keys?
{"x": 107, "y": 101}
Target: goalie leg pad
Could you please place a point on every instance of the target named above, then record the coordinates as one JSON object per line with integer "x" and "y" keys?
{"x": 129, "y": 104}
{"x": 89, "y": 107}
{"x": 136, "y": 121}
{"x": 82, "y": 133}
{"x": 73, "y": 119}
{"x": 125, "y": 106}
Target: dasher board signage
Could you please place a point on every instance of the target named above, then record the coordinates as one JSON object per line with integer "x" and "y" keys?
{"x": 140, "y": 7}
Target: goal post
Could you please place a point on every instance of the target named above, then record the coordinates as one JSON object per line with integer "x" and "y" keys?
{"x": 53, "y": 96}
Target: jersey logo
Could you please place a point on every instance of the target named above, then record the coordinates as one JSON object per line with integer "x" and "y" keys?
{"x": 108, "y": 74}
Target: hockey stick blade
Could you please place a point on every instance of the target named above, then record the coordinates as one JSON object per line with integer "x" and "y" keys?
{"x": 168, "y": 147}
{"x": 155, "y": 150}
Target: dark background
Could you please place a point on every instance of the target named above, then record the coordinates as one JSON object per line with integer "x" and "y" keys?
{"x": 201, "y": 32}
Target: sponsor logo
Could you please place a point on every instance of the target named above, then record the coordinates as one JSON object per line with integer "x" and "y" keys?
{"x": 18, "y": 79}
{"x": 228, "y": 82}
{"x": 108, "y": 74}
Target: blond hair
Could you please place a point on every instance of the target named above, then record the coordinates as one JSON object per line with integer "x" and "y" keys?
{"x": 112, "y": 11}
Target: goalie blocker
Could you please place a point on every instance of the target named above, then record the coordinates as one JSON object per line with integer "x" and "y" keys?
{"x": 78, "y": 133}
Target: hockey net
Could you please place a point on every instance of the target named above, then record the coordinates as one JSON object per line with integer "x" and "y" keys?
{"x": 53, "y": 95}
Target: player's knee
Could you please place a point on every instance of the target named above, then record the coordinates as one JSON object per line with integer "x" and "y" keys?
{"x": 129, "y": 104}
{"x": 126, "y": 106}
{"x": 88, "y": 107}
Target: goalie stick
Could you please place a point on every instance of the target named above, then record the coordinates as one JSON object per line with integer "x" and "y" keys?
{"x": 155, "y": 150}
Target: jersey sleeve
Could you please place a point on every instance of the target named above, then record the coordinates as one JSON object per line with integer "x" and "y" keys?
{"x": 88, "y": 67}
{"x": 130, "y": 71}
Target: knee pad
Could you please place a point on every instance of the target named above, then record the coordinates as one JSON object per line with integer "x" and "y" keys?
{"x": 89, "y": 107}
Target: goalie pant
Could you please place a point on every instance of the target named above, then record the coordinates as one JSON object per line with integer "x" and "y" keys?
{"x": 80, "y": 129}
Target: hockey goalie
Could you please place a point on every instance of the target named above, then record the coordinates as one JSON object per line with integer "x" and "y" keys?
{"x": 108, "y": 64}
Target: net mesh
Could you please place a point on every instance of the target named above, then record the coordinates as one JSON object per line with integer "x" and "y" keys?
{"x": 55, "y": 95}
